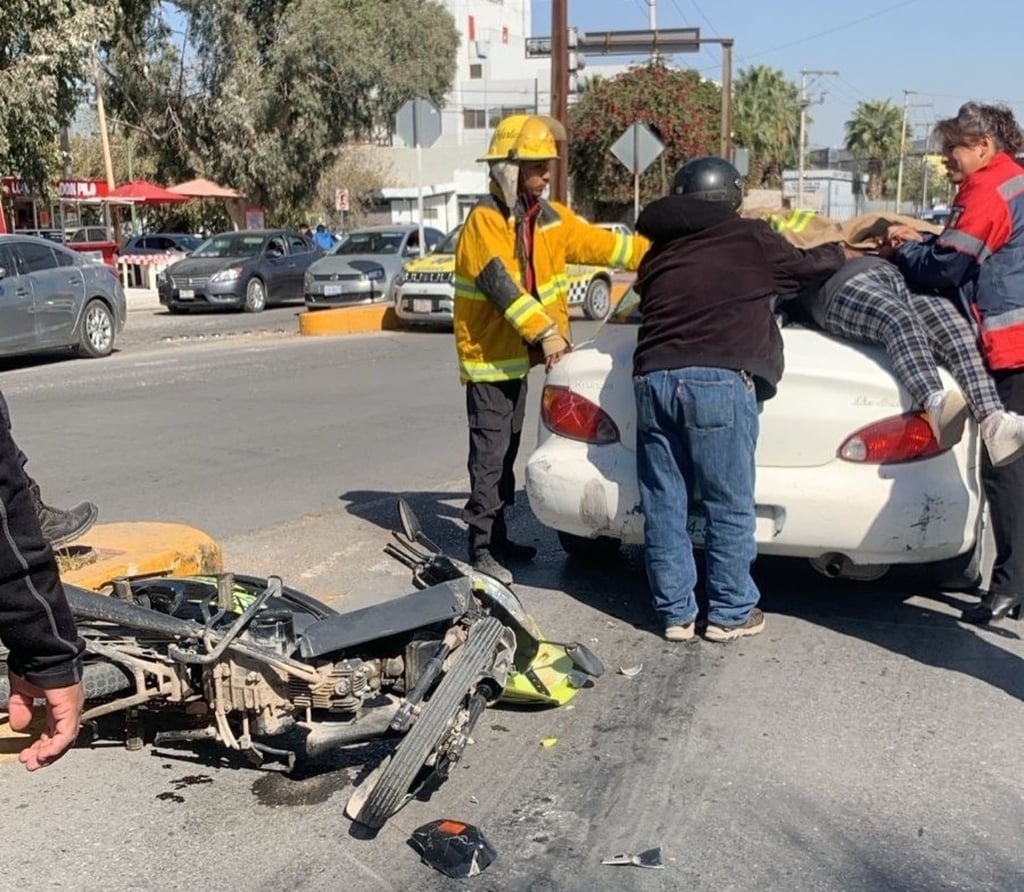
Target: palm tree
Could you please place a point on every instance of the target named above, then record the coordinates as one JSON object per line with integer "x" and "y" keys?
{"x": 873, "y": 135}
{"x": 766, "y": 120}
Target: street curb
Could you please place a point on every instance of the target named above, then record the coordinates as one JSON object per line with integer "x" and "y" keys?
{"x": 140, "y": 549}
{"x": 348, "y": 320}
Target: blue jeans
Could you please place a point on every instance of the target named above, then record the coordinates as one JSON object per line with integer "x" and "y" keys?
{"x": 696, "y": 433}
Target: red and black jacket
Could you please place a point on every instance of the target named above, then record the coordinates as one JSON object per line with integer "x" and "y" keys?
{"x": 981, "y": 255}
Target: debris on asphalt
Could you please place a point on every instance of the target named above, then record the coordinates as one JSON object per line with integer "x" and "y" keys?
{"x": 631, "y": 671}
{"x": 647, "y": 858}
{"x": 455, "y": 849}
{"x": 549, "y": 741}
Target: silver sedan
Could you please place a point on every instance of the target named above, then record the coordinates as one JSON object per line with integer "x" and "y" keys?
{"x": 364, "y": 265}
{"x": 52, "y": 298}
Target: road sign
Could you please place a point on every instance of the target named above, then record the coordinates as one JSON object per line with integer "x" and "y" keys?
{"x": 667, "y": 42}
{"x": 341, "y": 202}
{"x": 418, "y": 123}
{"x": 637, "y": 148}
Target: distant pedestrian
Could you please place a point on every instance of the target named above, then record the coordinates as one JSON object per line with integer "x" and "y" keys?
{"x": 322, "y": 238}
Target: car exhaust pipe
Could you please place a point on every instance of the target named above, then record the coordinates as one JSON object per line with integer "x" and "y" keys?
{"x": 834, "y": 565}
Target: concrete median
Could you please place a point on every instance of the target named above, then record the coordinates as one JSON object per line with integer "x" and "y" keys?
{"x": 349, "y": 320}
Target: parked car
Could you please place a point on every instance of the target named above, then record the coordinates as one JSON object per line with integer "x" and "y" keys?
{"x": 247, "y": 270}
{"x": 161, "y": 243}
{"x": 88, "y": 234}
{"x": 364, "y": 265}
{"x": 52, "y": 298}
{"x": 848, "y": 476}
{"x": 425, "y": 289}
{"x": 51, "y": 235}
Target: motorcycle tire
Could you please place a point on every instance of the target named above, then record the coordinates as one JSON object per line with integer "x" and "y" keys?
{"x": 391, "y": 790}
{"x": 100, "y": 679}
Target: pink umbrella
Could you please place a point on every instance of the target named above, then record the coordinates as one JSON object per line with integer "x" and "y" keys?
{"x": 203, "y": 188}
{"x": 145, "y": 192}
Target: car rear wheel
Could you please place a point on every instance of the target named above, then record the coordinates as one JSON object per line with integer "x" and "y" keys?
{"x": 97, "y": 330}
{"x": 601, "y": 548}
{"x": 255, "y": 296}
{"x": 598, "y": 302}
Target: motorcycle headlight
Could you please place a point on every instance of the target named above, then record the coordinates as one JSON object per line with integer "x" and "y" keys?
{"x": 227, "y": 275}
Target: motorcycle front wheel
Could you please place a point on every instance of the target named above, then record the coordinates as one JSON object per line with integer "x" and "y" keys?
{"x": 391, "y": 789}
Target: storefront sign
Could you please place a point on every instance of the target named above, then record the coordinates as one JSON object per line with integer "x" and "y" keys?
{"x": 68, "y": 190}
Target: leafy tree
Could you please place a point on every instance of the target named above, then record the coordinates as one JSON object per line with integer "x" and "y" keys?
{"x": 873, "y": 136}
{"x": 269, "y": 91}
{"x": 680, "y": 106}
{"x": 46, "y": 53}
{"x": 766, "y": 120}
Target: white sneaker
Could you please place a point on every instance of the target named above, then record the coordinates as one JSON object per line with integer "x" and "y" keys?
{"x": 1003, "y": 435}
{"x": 946, "y": 411}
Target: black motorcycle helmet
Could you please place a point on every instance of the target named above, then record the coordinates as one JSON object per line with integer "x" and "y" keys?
{"x": 709, "y": 178}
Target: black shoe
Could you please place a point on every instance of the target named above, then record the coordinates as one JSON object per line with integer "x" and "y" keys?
{"x": 993, "y": 608}
{"x": 487, "y": 563}
{"x": 59, "y": 526}
{"x": 513, "y": 551}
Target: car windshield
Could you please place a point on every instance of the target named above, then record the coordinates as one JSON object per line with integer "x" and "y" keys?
{"x": 448, "y": 245}
{"x": 232, "y": 244}
{"x": 627, "y": 312}
{"x": 376, "y": 242}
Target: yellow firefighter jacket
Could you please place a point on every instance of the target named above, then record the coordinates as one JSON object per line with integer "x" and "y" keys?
{"x": 496, "y": 320}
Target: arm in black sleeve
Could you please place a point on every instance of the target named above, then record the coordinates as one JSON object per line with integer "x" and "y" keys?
{"x": 794, "y": 268}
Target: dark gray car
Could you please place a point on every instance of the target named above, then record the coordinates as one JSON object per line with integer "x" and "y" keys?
{"x": 364, "y": 265}
{"x": 52, "y": 298}
{"x": 249, "y": 270}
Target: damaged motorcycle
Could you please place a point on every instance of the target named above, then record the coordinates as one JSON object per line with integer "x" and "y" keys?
{"x": 268, "y": 671}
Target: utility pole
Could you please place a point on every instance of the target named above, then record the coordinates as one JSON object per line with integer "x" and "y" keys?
{"x": 652, "y": 15}
{"x": 907, "y": 105}
{"x": 801, "y": 151}
{"x": 560, "y": 94}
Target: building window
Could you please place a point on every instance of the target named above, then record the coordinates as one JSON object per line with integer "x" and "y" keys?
{"x": 476, "y": 72}
{"x": 473, "y": 119}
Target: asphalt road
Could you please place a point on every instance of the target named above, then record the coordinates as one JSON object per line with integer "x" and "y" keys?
{"x": 866, "y": 741}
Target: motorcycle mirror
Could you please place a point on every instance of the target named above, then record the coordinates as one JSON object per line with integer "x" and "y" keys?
{"x": 411, "y": 527}
{"x": 584, "y": 659}
{"x": 410, "y": 522}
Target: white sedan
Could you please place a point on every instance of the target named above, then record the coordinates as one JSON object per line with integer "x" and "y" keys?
{"x": 847, "y": 475}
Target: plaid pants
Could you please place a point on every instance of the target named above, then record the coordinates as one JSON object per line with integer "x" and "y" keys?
{"x": 876, "y": 306}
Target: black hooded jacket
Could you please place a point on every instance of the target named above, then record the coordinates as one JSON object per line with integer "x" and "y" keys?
{"x": 706, "y": 287}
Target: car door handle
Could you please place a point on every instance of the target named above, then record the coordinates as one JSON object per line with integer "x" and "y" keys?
{"x": 22, "y": 292}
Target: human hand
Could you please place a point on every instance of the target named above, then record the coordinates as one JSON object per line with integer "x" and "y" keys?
{"x": 554, "y": 347}
{"x": 899, "y": 234}
{"x": 63, "y": 712}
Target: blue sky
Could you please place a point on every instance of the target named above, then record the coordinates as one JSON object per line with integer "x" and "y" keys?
{"x": 945, "y": 51}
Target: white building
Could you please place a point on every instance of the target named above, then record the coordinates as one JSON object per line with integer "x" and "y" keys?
{"x": 493, "y": 79}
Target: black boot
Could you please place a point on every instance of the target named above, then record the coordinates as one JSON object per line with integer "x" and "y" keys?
{"x": 485, "y": 562}
{"x": 60, "y": 527}
{"x": 992, "y": 608}
{"x": 504, "y": 547}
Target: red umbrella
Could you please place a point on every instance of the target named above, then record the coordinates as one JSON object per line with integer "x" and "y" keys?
{"x": 145, "y": 192}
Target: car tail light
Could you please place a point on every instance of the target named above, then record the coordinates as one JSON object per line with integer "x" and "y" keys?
{"x": 899, "y": 438}
{"x": 570, "y": 415}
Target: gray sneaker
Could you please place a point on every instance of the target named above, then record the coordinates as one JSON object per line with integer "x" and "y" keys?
{"x": 754, "y": 625}
{"x": 487, "y": 563}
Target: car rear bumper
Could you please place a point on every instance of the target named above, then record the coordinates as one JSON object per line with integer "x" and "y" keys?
{"x": 916, "y": 512}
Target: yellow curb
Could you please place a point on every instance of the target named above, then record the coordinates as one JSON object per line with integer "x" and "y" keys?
{"x": 348, "y": 320}
{"x": 140, "y": 549}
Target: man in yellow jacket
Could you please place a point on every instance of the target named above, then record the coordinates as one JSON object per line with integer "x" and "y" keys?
{"x": 512, "y": 312}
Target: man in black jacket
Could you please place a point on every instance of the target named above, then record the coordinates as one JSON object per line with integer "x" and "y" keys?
{"x": 36, "y": 625}
{"x": 708, "y": 352}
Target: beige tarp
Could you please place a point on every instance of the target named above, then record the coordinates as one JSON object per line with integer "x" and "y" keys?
{"x": 806, "y": 229}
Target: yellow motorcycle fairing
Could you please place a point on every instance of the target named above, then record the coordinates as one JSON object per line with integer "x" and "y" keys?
{"x": 549, "y": 679}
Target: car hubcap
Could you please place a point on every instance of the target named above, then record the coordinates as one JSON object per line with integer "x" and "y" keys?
{"x": 98, "y": 329}
{"x": 599, "y": 299}
{"x": 256, "y": 296}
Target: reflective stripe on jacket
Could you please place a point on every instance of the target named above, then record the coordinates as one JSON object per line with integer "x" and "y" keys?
{"x": 496, "y": 319}
{"x": 981, "y": 254}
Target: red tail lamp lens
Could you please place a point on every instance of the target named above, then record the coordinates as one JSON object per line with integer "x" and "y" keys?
{"x": 570, "y": 415}
{"x": 900, "y": 438}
